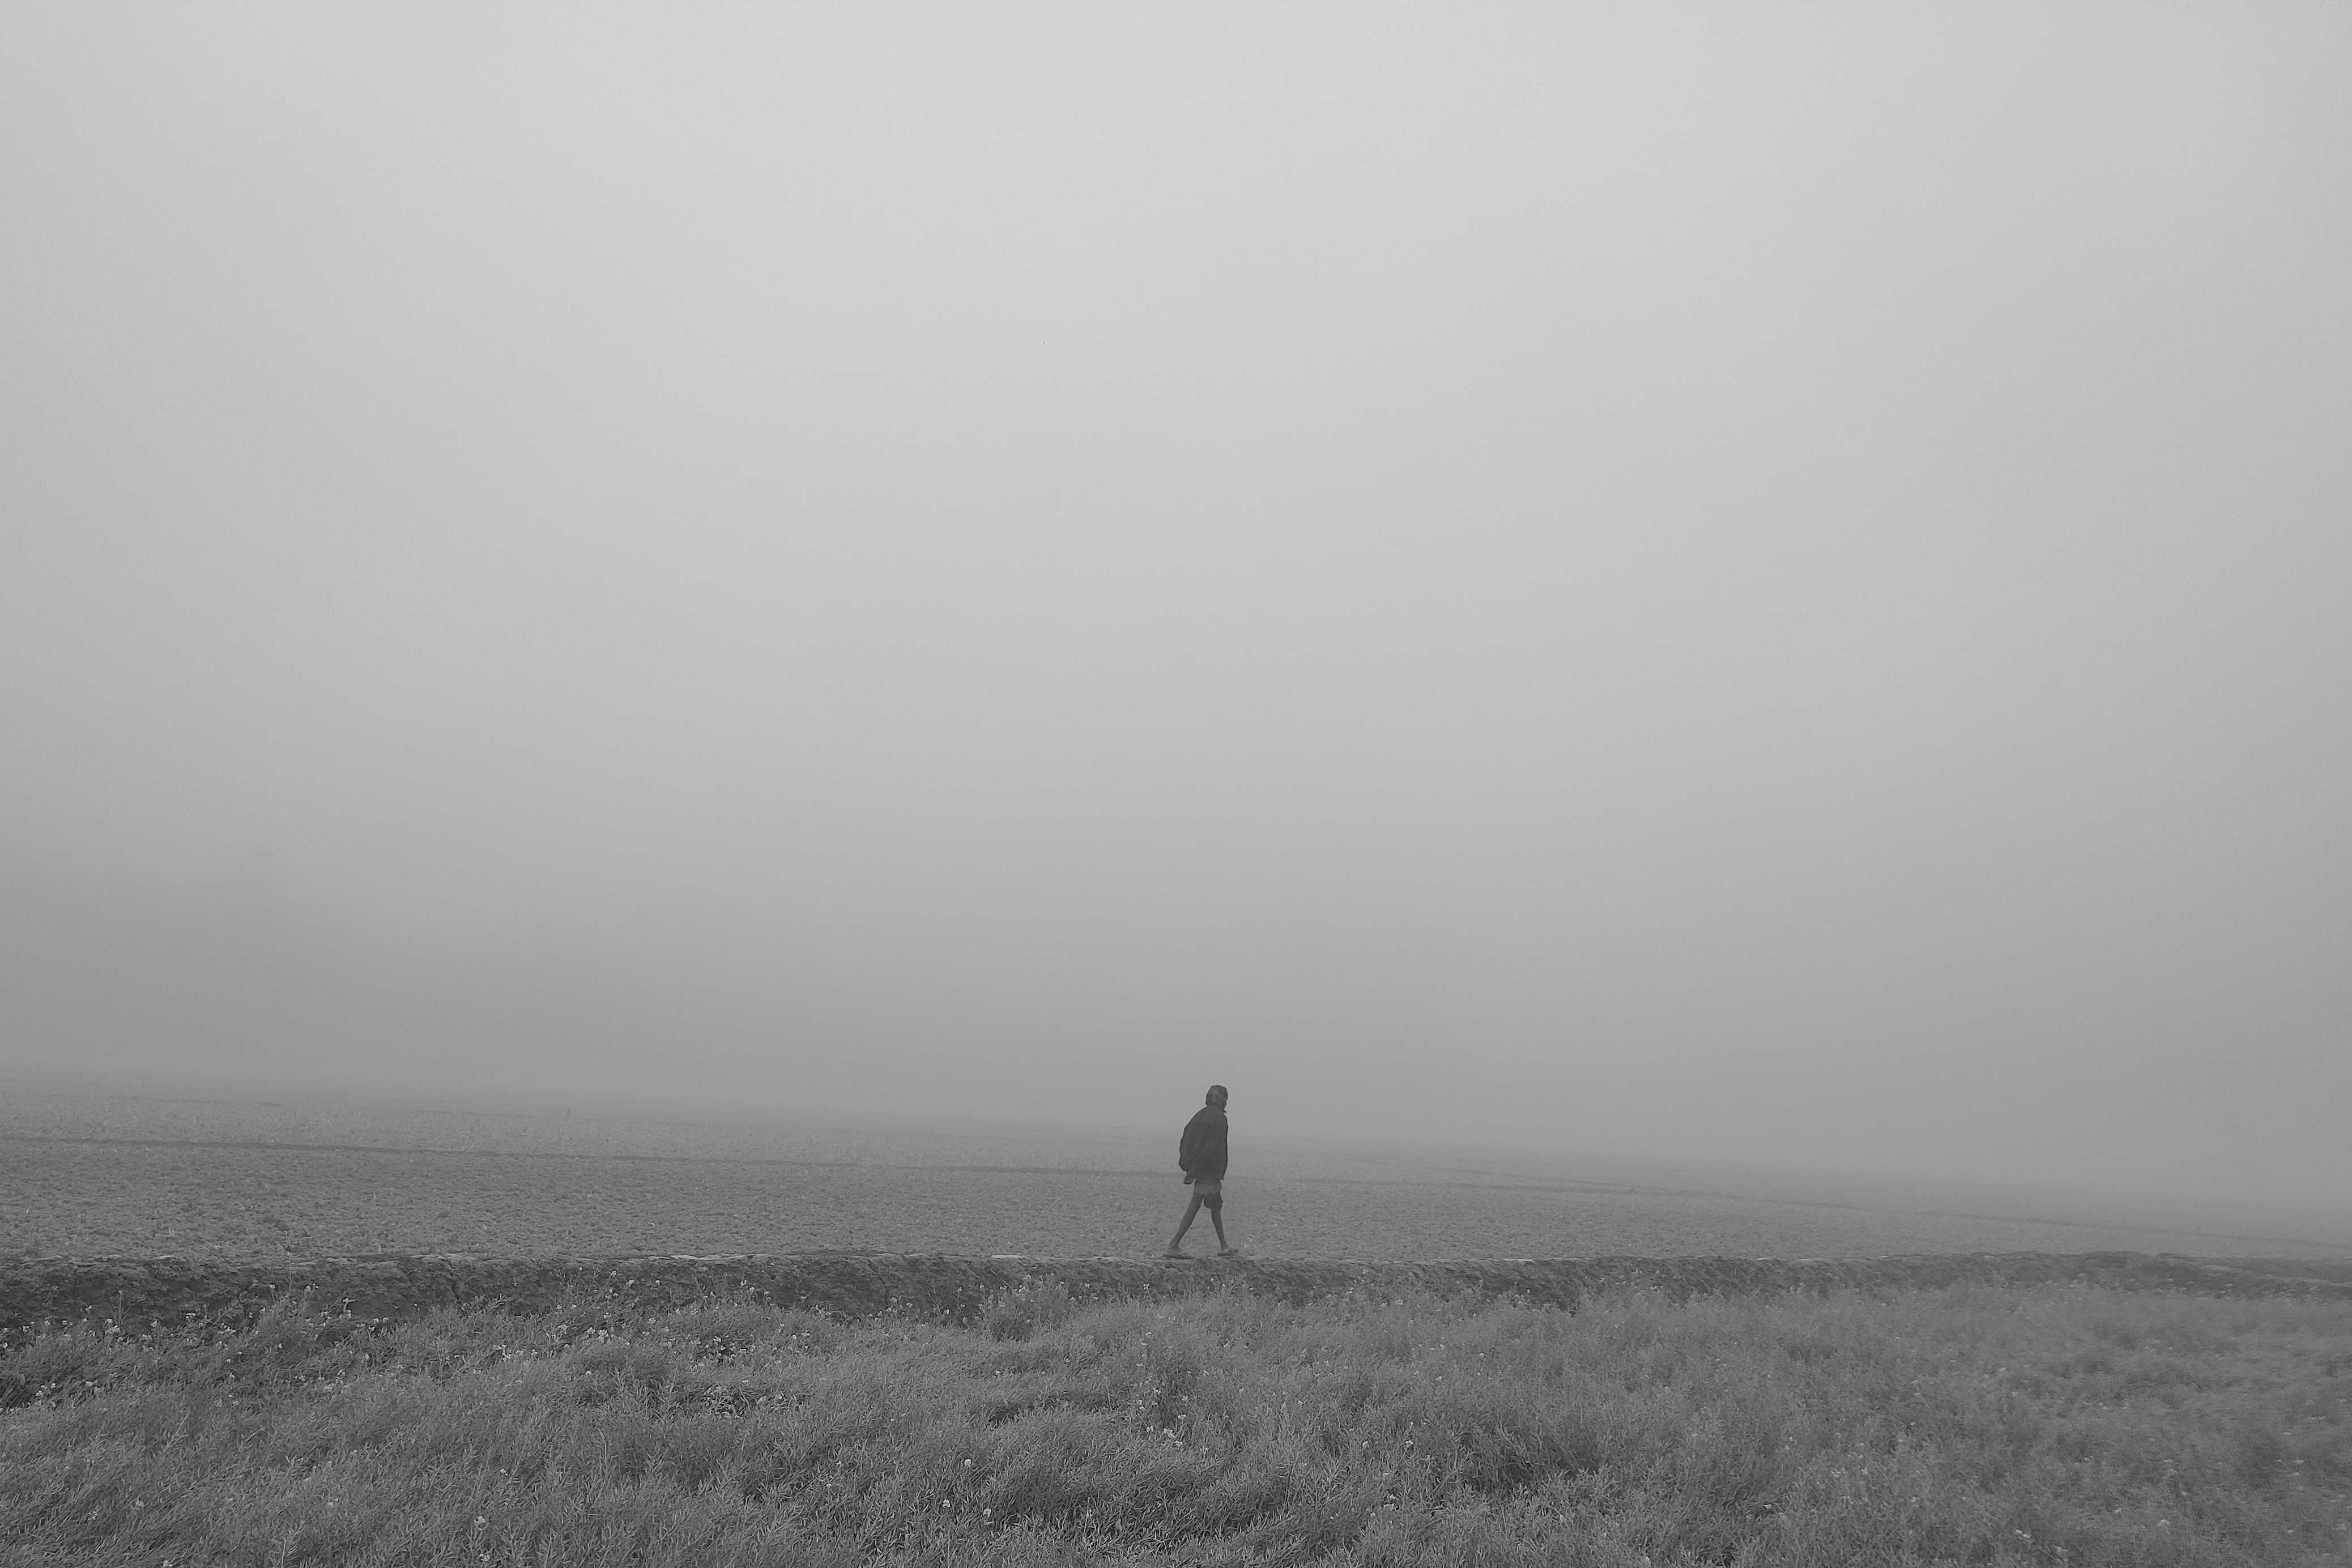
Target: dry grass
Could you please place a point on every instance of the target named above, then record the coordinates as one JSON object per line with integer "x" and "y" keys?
{"x": 2048, "y": 1425}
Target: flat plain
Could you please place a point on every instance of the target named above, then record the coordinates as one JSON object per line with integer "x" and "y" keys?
{"x": 2029, "y": 1425}
{"x": 107, "y": 1174}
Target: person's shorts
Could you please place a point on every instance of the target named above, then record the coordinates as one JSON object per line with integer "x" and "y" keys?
{"x": 1210, "y": 1191}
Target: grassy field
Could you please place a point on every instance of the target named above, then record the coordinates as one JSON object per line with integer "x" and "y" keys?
{"x": 2059, "y": 1426}
{"x": 91, "y": 1174}
{"x": 1970, "y": 1426}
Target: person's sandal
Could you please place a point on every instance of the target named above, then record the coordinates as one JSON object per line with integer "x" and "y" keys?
{"x": 1176, "y": 1252}
{"x": 1229, "y": 1252}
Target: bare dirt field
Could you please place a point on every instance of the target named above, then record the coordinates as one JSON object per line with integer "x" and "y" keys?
{"x": 93, "y": 1174}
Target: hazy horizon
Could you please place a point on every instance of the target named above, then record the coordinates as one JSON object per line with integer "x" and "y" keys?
{"x": 1764, "y": 587}
{"x": 338, "y": 1113}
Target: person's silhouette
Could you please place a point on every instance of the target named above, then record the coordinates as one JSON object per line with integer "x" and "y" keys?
{"x": 1201, "y": 1155}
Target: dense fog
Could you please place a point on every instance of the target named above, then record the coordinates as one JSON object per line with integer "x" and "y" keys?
{"x": 1761, "y": 585}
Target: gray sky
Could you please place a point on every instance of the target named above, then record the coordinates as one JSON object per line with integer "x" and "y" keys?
{"x": 1755, "y": 582}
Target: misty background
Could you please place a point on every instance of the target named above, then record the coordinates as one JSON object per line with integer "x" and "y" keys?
{"x": 1746, "y": 584}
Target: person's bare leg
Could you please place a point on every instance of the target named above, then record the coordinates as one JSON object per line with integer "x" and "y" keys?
{"x": 1176, "y": 1242}
{"x": 1217, "y": 1218}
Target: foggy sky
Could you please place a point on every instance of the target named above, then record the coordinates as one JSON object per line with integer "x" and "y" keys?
{"x": 1755, "y": 583}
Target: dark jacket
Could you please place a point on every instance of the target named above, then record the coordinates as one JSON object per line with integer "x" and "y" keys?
{"x": 1202, "y": 1154}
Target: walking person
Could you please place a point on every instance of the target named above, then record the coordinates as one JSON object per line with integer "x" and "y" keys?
{"x": 1202, "y": 1154}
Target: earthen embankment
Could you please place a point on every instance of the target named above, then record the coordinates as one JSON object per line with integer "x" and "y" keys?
{"x": 174, "y": 1290}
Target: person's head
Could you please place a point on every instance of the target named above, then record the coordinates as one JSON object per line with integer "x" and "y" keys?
{"x": 1217, "y": 1095}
